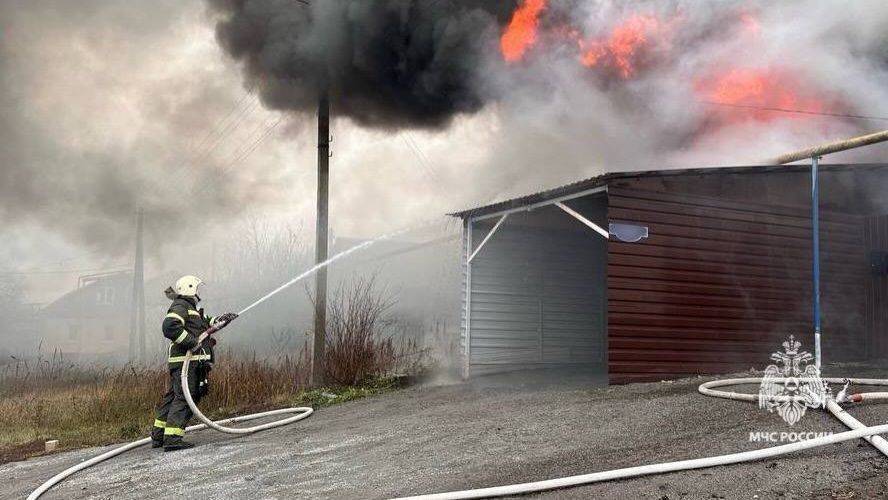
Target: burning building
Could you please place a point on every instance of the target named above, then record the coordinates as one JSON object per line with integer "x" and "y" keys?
{"x": 705, "y": 271}
{"x": 578, "y": 86}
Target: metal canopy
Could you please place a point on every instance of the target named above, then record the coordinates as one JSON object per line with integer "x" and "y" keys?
{"x": 599, "y": 183}
{"x": 487, "y": 238}
{"x": 576, "y": 215}
{"x": 627, "y": 232}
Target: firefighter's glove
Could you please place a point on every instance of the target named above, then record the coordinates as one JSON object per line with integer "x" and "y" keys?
{"x": 226, "y": 318}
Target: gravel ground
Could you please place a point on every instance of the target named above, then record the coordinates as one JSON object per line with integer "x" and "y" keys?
{"x": 433, "y": 439}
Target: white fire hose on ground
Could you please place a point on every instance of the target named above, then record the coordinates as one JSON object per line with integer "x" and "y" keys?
{"x": 300, "y": 413}
{"x": 858, "y": 430}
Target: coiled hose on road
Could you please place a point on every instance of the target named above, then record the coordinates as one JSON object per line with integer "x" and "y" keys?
{"x": 858, "y": 430}
{"x": 300, "y": 411}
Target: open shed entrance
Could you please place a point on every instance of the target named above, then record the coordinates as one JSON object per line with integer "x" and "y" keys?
{"x": 536, "y": 291}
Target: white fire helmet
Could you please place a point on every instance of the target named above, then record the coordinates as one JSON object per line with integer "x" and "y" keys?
{"x": 186, "y": 286}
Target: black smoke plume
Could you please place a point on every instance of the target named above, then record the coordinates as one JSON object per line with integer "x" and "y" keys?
{"x": 388, "y": 63}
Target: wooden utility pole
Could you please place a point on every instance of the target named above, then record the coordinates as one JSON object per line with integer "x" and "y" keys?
{"x": 320, "y": 315}
{"x": 137, "y": 311}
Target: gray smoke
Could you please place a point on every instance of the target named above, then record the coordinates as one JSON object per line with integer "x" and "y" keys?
{"x": 549, "y": 119}
{"x": 389, "y": 64}
{"x": 101, "y": 101}
{"x": 559, "y": 121}
{"x": 101, "y": 105}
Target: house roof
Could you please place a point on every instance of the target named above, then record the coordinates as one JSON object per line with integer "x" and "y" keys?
{"x": 84, "y": 301}
{"x": 604, "y": 179}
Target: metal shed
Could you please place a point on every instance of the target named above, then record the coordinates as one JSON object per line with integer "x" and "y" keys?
{"x": 704, "y": 271}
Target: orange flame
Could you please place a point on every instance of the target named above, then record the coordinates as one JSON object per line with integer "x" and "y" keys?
{"x": 629, "y": 46}
{"x": 623, "y": 44}
{"x": 757, "y": 88}
{"x": 521, "y": 33}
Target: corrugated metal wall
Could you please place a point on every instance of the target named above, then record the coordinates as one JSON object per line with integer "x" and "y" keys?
{"x": 463, "y": 327}
{"x": 719, "y": 284}
{"x": 538, "y": 293}
{"x": 876, "y": 236}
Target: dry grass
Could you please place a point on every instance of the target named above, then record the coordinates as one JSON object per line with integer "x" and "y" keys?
{"x": 86, "y": 406}
{"x": 74, "y": 404}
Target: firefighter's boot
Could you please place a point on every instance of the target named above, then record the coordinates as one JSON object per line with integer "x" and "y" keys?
{"x": 174, "y": 443}
{"x": 156, "y": 436}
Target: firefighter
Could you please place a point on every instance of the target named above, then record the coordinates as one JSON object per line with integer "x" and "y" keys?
{"x": 183, "y": 325}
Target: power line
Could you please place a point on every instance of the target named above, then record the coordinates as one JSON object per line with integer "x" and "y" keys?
{"x": 798, "y": 111}
{"x": 210, "y": 141}
{"x": 223, "y": 127}
{"x": 416, "y": 148}
{"x": 242, "y": 153}
{"x": 224, "y": 121}
{"x": 68, "y": 260}
{"x": 227, "y": 131}
{"x": 423, "y": 159}
{"x": 259, "y": 141}
{"x": 214, "y": 136}
{"x": 62, "y": 271}
{"x": 232, "y": 127}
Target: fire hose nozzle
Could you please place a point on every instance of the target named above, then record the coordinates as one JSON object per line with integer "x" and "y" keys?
{"x": 221, "y": 323}
{"x": 842, "y": 396}
{"x": 215, "y": 327}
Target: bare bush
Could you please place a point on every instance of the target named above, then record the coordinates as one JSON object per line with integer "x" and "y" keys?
{"x": 358, "y": 348}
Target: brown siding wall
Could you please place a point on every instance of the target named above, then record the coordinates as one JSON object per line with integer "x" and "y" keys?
{"x": 876, "y": 236}
{"x": 719, "y": 284}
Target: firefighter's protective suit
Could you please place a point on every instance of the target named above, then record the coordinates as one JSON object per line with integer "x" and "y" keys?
{"x": 183, "y": 325}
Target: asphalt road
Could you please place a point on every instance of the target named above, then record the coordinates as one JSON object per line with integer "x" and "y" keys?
{"x": 434, "y": 439}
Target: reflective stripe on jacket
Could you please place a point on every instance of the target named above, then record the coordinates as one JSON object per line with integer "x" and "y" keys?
{"x": 183, "y": 325}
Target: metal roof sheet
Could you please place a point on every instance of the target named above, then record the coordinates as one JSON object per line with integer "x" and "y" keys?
{"x": 604, "y": 179}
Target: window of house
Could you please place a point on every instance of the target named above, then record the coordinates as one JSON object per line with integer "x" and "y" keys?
{"x": 73, "y": 332}
{"x": 105, "y": 296}
{"x": 109, "y": 332}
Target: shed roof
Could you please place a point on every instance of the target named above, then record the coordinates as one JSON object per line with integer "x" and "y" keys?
{"x": 604, "y": 179}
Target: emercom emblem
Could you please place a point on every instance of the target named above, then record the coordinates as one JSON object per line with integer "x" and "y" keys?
{"x": 792, "y": 385}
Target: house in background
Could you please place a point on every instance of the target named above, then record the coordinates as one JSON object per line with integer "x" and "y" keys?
{"x": 91, "y": 322}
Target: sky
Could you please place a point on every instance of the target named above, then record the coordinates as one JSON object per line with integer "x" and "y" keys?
{"x": 112, "y": 105}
